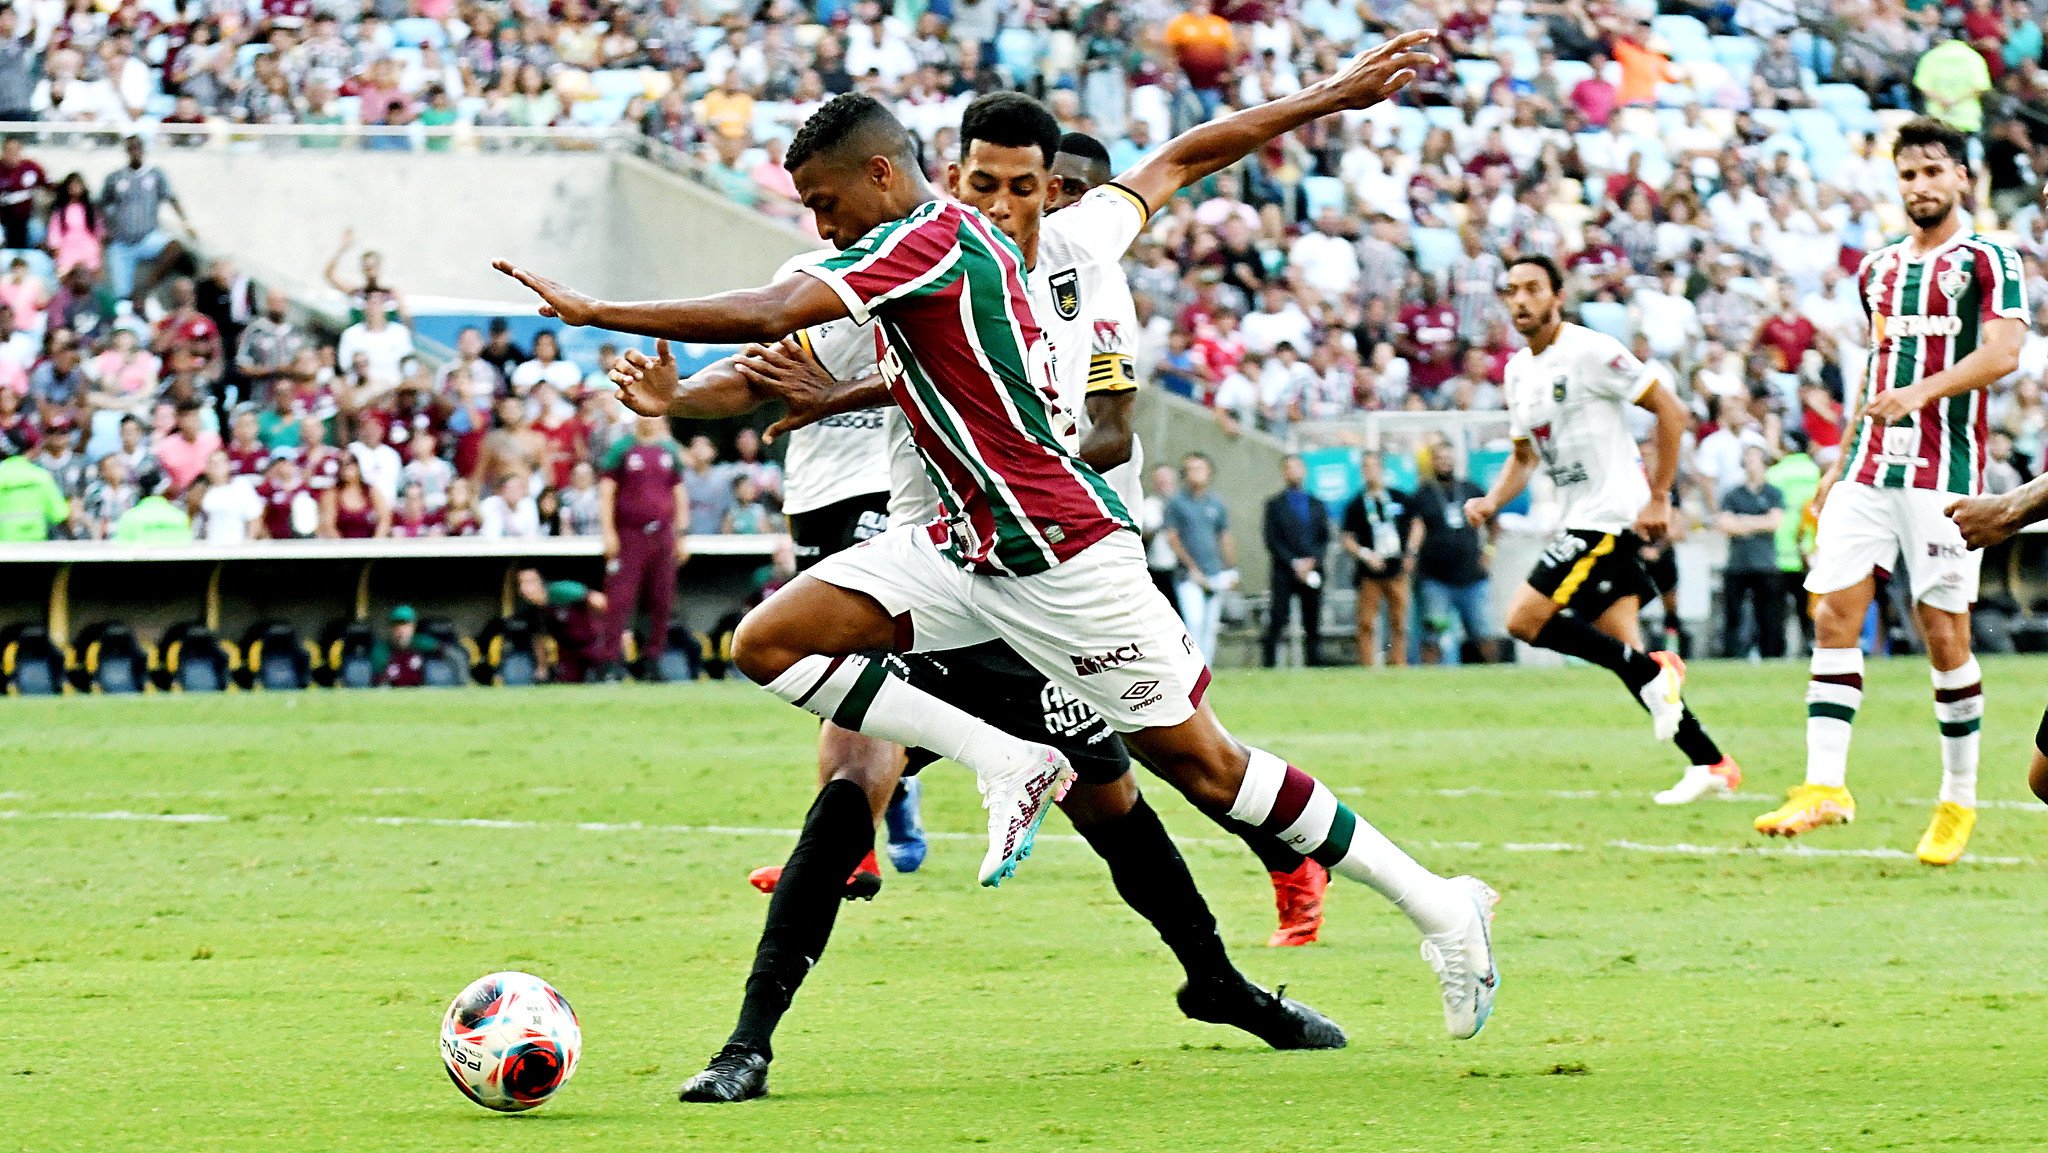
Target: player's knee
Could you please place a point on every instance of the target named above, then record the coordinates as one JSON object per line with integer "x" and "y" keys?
{"x": 757, "y": 653}
{"x": 1525, "y": 626}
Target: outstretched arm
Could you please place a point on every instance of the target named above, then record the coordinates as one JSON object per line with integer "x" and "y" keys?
{"x": 752, "y": 314}
{"x": 1212, "y": 147}
{"x": 1987, "y": 520}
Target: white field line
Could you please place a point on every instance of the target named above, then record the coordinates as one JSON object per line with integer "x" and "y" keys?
{"x": 761, "y": 831}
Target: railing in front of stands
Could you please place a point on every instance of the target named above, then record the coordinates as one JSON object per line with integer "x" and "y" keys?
{"x": 459, "y": 139}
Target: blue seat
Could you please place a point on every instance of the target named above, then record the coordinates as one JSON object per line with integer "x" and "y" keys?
{"x": 1784, "y": 142}
{"x": 1608, "y": 317}
{"x": 1445, "y": 116}
{"x": 621, "y": 82}
{"x": 1837, "y": 97}
{"x": 1320, "y": 192}
{"x": 245, "y": 57}
{"x": 1436, "y": 250}
{"x": 1476, "y": 75}
{"x": 1570, "y": 72}
{"x": 599, "y": 112}
{"x": 1675, "y": 28}
{"x": 1739, "y": 53}
{"x": 39, "y": 263}
{"x": 1018, "y": 51}
{"x": 414, "y": 31}
{"x": 1772, "y": 119}
{"x": 1526, "y": 61}
{"x": 1410, "y": 126}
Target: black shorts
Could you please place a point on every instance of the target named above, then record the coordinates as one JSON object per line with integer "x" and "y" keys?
{"x": 2041, "y": 736}
{"x": 992, "y": 682}
{"x": 837, "y": 527}
{"x": 1586, "y": 572}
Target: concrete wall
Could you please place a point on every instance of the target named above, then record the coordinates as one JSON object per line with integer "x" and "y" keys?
{"x": 611, "y": 223}
{"x": 1247, "y": 468}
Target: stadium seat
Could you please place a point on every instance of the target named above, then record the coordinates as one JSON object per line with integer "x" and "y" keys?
{"x": 1714, "y": 84}
{"x": 598, "y": 113}
{"x": 346, "y": 646}
{"x": 191, "y": 659}
{"x": 506, "y": 653}
{"x": 1411, "y": 127}
{"x": 682, "y": 659}
{"x": 414, "y": 31}
{"x": 1526, "y": 59}
{"x": 32, "y": 664}
{"x": 1609, "y": 317}
{"x": 1445, "y": 116}
{"x": 1570, "y": 72}
{"x": 276, "y": 659}
{"x": 1682, "y": 33}
{"x": 39, "y": 263}
{"x": 624, "y": 83}
{"x": 1320, "y": 192}
{"x": 111, "y": 659}
{"x": 455, "y": 657}
{"x": 245, "y": 57}
{"x": 1838, "y": 98}
{"x": 1018, "y": 51}
{"x": 1738, "y": 53}
{"x": 1476, "y": 75}
{"x": 1436, "y": 250}
{"x": 1784, "y": 142}
{"x": 1773, "y": 119}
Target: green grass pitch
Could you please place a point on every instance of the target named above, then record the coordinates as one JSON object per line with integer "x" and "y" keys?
{"x": 273, "y": 978}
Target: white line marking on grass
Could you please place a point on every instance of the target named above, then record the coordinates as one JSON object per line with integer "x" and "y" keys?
{"x": 118, "y": 815}
{"x": 1799, "y": 851}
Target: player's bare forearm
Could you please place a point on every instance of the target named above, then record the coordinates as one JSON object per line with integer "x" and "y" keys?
{"x": 747, "y": 315}
{"x": 1109, "y": 440}
{"x": 1670, "y": 436}
{"x": 717, "y": 390}
{"x": 1212, "y": 147}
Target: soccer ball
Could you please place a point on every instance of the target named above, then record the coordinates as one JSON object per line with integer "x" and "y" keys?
{"x": 509, "y": 1041}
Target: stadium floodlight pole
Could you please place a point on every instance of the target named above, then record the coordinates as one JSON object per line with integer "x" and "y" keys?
{"x": 771, "y": 312}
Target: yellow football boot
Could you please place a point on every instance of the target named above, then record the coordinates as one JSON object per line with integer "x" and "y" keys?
{"x": 1808, "y": 807}
{"x": 1946, "y": 834}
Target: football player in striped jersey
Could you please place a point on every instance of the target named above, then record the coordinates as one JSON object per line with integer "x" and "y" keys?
{"x": 1947, "y": 314}
{"x": 1034, "y": 546}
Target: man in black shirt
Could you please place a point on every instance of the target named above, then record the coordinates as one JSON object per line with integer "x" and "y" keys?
{"x": 1297, "y": 536}
{"x": 1750, "y": 515}
{"x": 1448, "y": 560}
{"x": 1373, "y": 528}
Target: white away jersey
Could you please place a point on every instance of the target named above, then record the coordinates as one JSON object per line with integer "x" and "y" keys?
{"x": 844, "y": 456}
{"x": 1571, "y": 402}
{"x": 1083, "y": 305}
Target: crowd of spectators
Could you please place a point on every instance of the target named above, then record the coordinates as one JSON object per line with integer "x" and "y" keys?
{"x": 161, "y": 406}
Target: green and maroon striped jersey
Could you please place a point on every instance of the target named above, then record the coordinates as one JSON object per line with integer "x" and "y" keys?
{"x": 1927, "y": 313}
{"x": 966, "y": 361}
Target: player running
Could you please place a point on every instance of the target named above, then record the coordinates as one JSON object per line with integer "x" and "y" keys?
{"x": 1988, "y": 520}
{"x": 1568, "y": 395}
{"x": 1036, "y": 548}
{"x": 1947, "y": 314}
{"x": 1007, "y": 143}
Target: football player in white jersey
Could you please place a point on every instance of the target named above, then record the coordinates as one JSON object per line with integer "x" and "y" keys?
{"x": 1568, "y": 395}
{"x": 1011, "y": 141}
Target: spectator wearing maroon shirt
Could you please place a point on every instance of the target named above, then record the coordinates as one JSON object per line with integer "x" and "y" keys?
{"x": 247, "y": 454}
{"x": 280, "y": 492}
{"x": 414, "y": 518}
{"x": 640, "y": 492}
{"x": 319, "y": 462}
{"x": 1427, "y": 337}
{"x": 21, "y": 179}
{"x": 401, "y": 662}
{"x": 1785, "y": 335}
{"x": 184, "y": 326}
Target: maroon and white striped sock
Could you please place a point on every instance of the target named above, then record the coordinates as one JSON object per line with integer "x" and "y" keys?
{"x": 1287, "y": 803}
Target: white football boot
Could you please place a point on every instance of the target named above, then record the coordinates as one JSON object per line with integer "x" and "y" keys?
{"x": 1463, "y": 960}
{"x": 1017, "y": 800}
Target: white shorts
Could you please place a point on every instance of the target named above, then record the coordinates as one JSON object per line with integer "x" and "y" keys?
{"x": 1864, "y": 528}
{"x": 1096, "y": 625}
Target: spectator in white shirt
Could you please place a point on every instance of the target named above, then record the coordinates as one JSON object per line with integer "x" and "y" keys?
{"x": 230, "y": 507}
{"x": 1328, "y": 262}
{"x": 1718, "y": 459}
{"x": 546, "y": 365}
{"x": 1735, "y": 208}
{"x": 509, "y": 512}
{"x": 1282, "y": 384}
{"x": 1278, "y": 320}
{"x": 380, "y": 462}
{"x": 385, "y": 344}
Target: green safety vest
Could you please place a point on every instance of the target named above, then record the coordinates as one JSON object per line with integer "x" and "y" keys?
{"x": 30, "y": 501}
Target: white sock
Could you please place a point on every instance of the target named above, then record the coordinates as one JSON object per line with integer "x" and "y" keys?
{"x": 858, "y": 692}
{"x": 1302, "y": 811}
{"x": 1832, "y": 698}
{"x": 1959, "y": 710}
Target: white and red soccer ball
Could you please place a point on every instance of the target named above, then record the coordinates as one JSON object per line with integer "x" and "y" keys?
{"x": 509, "y": 1041}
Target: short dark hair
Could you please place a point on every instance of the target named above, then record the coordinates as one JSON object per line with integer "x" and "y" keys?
{"x": 1549, "y": 267}
{"x": 1084, "y": 146}
{"x": 841, "y": 120}
{"x": 1010, "y": 120}
{"x": 1927, "y": 132}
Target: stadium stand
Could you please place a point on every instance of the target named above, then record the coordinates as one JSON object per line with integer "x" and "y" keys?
{"x": 1710, "y": 176}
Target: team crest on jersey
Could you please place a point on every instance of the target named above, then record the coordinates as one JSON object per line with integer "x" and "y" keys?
{"x": 1952, "y": 281}
{"x": 1557, "y": 388}
{"x": 1066, "y": 293}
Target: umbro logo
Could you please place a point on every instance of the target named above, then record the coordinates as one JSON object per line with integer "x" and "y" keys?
{"x": 1141, "y": 690}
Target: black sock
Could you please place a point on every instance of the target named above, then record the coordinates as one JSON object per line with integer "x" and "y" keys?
{"x": 1693, "y": 741}
{"x": 1152, "y": 878}
{"x": 838, "y": 831}
{"x": 1575, "y": 638}
{"x": 1271, "y": 850}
